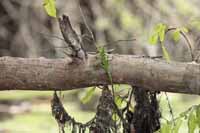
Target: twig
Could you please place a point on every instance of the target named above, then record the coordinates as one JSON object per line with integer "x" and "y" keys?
{"x": 170, "y": 108}
{"x": 130, "y": 98}
{"x": 187, "y": 40}
{"x": 126, "y": 40}
{"x": 85, "y": 22}
{"x": 189, "y": 43}
{"x": 52, "y": 36}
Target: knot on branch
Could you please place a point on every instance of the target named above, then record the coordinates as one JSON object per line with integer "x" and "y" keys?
{"x": 71, "y": 38}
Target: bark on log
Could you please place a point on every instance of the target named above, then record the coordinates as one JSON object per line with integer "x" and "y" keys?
{"x": 65, "y": 74}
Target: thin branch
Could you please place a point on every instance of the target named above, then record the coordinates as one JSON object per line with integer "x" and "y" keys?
{"x": 125, "y": 40}
{"x": 85, "y": 22}
{"x": 189, "y": 44}
{"x": 187, "y": 40}
{"x": 54, "y": 36}
{"x": 170, "y": 108}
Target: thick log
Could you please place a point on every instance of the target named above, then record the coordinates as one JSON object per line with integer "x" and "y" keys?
{"x": 64, "y": 74}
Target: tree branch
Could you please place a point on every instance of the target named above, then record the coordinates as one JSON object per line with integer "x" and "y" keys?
{"x": 64, "y": 74}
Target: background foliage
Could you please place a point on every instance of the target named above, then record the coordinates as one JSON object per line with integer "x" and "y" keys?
{"x": 26, "y": 31}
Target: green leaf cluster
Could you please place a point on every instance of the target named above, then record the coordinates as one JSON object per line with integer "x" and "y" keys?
{"x": 50, "y": 7}
{"x": 119, "y": 101}
{"x": 194, "y": 120}
{"x": 191, "y": 116}
{"x": 158, "y": 34}
{"x": 168, "y": 127}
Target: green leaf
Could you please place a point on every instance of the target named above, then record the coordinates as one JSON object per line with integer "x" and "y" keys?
{"x": 192, "y": 122}
{"x": 88, "y": 95}
{"x": 165, "y": 53}
{"x": 158, "y": 27}
{"x": 176, "y": 35}
{"x": 177, "y": 126}
{"x": 158, "y": 33}
{"x": 50, "y": 8}
{"x": 162, "y": 32}
{"x": 118, "y": 101}
{"x": 115, "y": 117}
{"x": 117, "y": 87}
{"x": 153, "y": 39}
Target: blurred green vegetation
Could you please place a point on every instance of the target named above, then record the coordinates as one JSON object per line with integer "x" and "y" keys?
{"x": 122, "y": 19}
{"x": 40, "y": 120}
